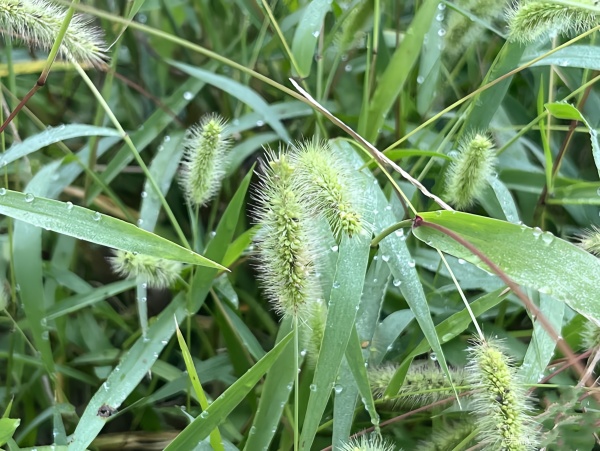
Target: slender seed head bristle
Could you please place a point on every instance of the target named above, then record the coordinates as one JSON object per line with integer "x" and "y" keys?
{"x": 500, "y": 404}
{"x": 589, "y": 240}
{"x": 286, "y": 249}
{"x": 468, "y": 173}
{"x": 325, "y": 182}
{"x": 590, "y": 336}
{"x": 447, "y": 437}
{"x": 531, "y": 19}
{"x": 424, "y": 383}
{"x": 37, "y": 23}
{"x": 153, "y": 271}
{"x": 364, "y": 443}
{"x": 205, "y": 160}
{"x": 313, "y": 330}
{"x": 462, "y": 32}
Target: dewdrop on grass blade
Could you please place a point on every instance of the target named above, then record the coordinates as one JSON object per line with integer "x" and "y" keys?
{"x": 531, "y": 19}
{"x": 286, "y": 249}
{"x": 153, "y": 271}
{"x": 468, "y": 172}
{"x": 500, "y": 403}
{"x": 37, "y": 23}
{"x": 325, "y": 182}
{"x": 205, "y": 160}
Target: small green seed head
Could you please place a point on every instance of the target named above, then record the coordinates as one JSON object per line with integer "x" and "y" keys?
{"x": 286, "y": 249}
{"x": 468, "y": 173}
{"x": 37, "y": 23}
{"x": 531, "y": 19}
{"x": 153, "y": 271}
{"x": 326, "y": 184}
{"x": 590, "y": 336}
{"x": 447, "y": 437}
{"x": 205, "y": 160}
{"x": 589, "y": 240}
{"x": 424, "y": 383}
{"x": 364, "y": 443}
{"x": 500, "y": 404}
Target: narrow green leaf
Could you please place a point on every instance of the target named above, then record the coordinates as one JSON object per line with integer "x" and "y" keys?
{"x": 307, "y": 35}
{"x": 240, "y": 91}
{"x": 215, "y": 435}
{"x": 582, "y": 56}
{"x": 569, "y": 112}
{"x": 50, "y": 136}
{"x": 529, "y": 256}
{"x": 222, "y": 406}
{"x": 8, "y": 426}
{"x": 94, "y": 227}
{"x": 396, "y": 73}
{"x": 585, "y": 193}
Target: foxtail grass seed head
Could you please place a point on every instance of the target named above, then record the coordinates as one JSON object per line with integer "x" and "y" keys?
{"x": 424, "y": 383}
{"x": 461, "y": 31}
{"x": 37, "y": 23}
{"x": 315, "y": 318}
{"x": 500, "y": 403}
{"x": 590, "y": 336}
{"x": 447, "y": 437}
{"x": 286, "y": 249}
{"x": 364, "y": 443}
{"x": 468, "y": 173}
{"x": 205, "y": 160}
{"x": 531, "y": 19}
{"x": 153, "y": 271}
{"x": 589, "y": 240}
{"x": 325, "y": 182}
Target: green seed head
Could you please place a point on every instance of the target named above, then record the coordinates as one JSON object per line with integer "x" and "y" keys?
{"x": 531, "y": 19}
{"x": 590, "y": 336}
{"x": 205, "y": 160}
{"x": 37, "y": 23}
{"x": 500, "y": 404}
{"x": 153, "y": 271}
{"x": 364, "y": 443}
{"x": 589, "y": 240}
{"x": 286, "y": 249}
{"x": 468, "y": 173}
{"x": 326, "y": 184}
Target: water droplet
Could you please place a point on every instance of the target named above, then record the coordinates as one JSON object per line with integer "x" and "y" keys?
{"x": 336, "y": 284}
{"x": 375, "y": 280}
{"x": 441, "y": 32}
{"x": 29, "y": 197}
{"x": 461, "y": 261}
{"x": 453, "y": 154}
{"x": 97, "y": 216}
{"x": 338, "y": 389}
{"x": 348, "y": 67}
{"x": 140, "y": 222}
{"x": 597, "y": 192}
{"x": 167, "y": 138}
{"x": 316, "y": 33}
{"x": 187, "y": 95}
{"x": 537, "y": 232}
{"x": 204, "y": 414}
{"x": 260, "y": 123}
{"x": 2, "y": 191}
{"x": 420, "y": 79}
{"x": 411, "y": 263}
{"x": 547, "y": 238}
{"x": 433, "y": 356}
{"x": 439, "y": 17}
{"x": 252, "y": 430}
{"x": 334, "y": 248}
{"x": 290, "y": 386}
{"x": 397, "y": 282}
{"x": 303, "y": 353}
{"x": 399, "y": 232}
{"x": 442, "y": 6}
{"x": 385, "y": 258}
{"x": 69, "y": 206}
{"x": 144, "y": 194}
{"x": 313, "y": 387}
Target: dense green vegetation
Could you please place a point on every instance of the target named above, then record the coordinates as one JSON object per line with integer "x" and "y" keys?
{"x": 252, "y": 224}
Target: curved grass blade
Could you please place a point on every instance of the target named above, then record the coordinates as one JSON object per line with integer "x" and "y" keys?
{"x": 51, "y": 136}
{"x": 528, "y": 256}
{"x": 307, "y": 34}
{"x": 92, "y": 226}
{"x": 208, "y": 420}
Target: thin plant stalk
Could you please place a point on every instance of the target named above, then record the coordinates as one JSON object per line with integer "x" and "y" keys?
{"x": 135, "y": 153}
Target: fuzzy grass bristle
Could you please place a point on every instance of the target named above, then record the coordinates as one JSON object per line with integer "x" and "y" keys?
{"x": 38, "y": 22}
{"x": 589, "y": 240}
{"x": 153, "y": 271}
{"x": 364, "y": 443}
{"x": 286, "y": 249}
